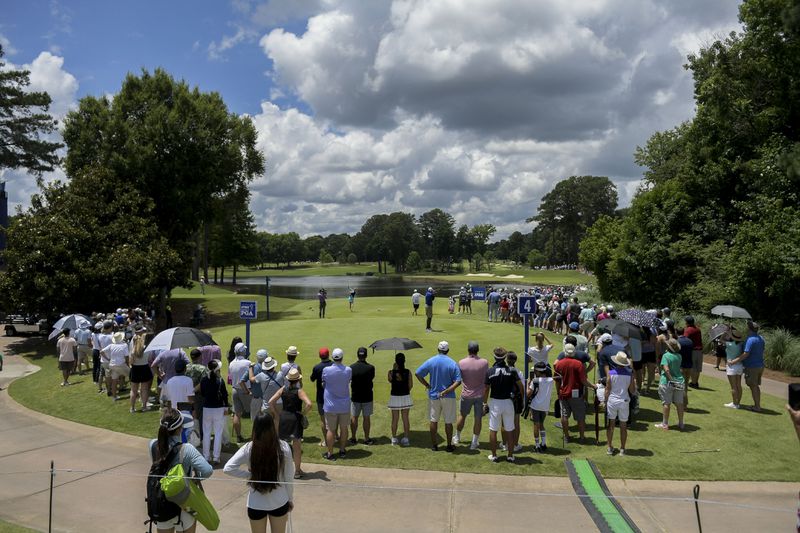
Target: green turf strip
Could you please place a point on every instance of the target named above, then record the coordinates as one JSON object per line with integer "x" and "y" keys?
{"x": 605, "y": 507}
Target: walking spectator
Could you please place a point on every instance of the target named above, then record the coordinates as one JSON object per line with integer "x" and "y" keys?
{"x": 295, "y": 407}
{"x": 696, "y": 336}
{"x": 752, "y": 359}
{"x": 445, "y": 378}
{"x": 415, "y": 297}
{"x": 363, "y": 374}
{"x": 620, "y": 386}
{"x": 501, "y": 383}
{"x": 241, "y": 392}
{"x": 400, "y": 401}
{"x": 672, "y": 384}
{"x": 83, "y": 336}
{"x": 268, "y": 465}
{"x": 734, "y": 370}
{"x": 570, "y": 393}
{"x": 141, "y": 373}
{"x": 336, "y": 379}
{"x": 215, "y": 408}
{"x": 118, "y": 360}
{"x": 430, "y": 296}
{"x": 194, "y": 465}
{"x": 316, "y": 376}
{"x": 538, "y": 353}
{"x": 67, "y": 350}
{"x": 473, "y": 376}
{"x": 540, "y": 391}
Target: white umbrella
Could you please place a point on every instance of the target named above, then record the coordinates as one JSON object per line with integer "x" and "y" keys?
{"x": 730, "y": 311}
{"x": 179, "y": 338}
{"x": 72, "y": 322}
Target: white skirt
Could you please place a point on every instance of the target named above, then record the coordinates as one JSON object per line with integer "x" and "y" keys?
{"x": 400, "y": 402}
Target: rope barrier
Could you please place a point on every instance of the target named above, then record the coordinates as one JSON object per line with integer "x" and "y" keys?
{"x": 334, "y": 484}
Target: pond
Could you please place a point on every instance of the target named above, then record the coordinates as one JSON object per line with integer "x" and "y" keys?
{"x": 306, "y": 287}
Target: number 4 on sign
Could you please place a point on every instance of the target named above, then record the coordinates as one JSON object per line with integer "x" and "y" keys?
{"x": 527, "y": 305}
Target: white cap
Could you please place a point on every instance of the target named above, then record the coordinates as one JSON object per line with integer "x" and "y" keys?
{"x": 240, "y": 348}
{"x": 338, "y": 354}
{"x": 605, "y": 337}
{"x": 262, "y": 354}
{"x": 444, "y": 346}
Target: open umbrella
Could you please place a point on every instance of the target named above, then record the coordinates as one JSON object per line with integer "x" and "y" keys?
{"x": 179, "y": 338}
{"x": 639, "y": 318}
{"x": 72, "y": 322}
{"x": 730, "y": 311}
{"x": 395, "y": 343}
{"x": 718, "y": 331}
{"x": 620, "y": 327}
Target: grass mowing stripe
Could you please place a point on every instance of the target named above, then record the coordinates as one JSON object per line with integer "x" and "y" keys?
{"x": 609, "y": 512}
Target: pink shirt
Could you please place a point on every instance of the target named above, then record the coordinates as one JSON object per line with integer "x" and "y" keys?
{"x": 207, "y": 353}
{"x": 473, "y": 376}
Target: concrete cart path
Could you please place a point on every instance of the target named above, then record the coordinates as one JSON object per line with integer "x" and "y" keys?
{"x": 348, "y": 499}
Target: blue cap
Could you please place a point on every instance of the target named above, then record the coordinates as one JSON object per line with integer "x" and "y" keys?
{"x": 573, "y": 326}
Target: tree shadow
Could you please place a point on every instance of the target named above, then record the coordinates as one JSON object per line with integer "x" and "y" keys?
{"x": 34, "y": 347}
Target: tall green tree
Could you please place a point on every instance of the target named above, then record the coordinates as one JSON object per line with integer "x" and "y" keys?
{"x": 436, "y": 230}
{"x": 234, "y": 241}
{"x": 24, "y": 121}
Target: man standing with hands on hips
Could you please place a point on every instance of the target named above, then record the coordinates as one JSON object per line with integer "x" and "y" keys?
{"x": 445, "y": 378}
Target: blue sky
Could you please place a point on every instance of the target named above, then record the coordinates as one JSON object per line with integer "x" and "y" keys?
{"x": 375, "y": 106}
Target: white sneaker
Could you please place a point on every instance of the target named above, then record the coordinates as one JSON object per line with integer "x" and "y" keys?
{"x": 474, "y": 446}
{"x": 455, "y": 440}
{"x": 609, "y": 451}
{"x": 732, "y": 405}
{"x": 518, "y": 448}
{"x": 622, "y": 452}
{"x": 504, "y": 447}
{"x": 395, "y": 441}
{"x": 557, "y": 424}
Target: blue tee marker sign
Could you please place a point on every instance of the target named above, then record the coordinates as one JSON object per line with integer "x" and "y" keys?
{"x": 248, "y": 310}
{"x": 527, "y": 307}
{"x": 478, "y": 293}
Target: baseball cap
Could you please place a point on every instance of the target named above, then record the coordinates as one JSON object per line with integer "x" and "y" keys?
{"x": 606, "y": 338}
{"x": 262, "y": 354}
{"x": 338, "y": 354}
{"x": 444, "y": 347}
{"x": 541, "y": 366}
{"x": 324, "y": 353}
{"x": 361, "y": 352}
{"x": 573, "y": 326}
{"x": 569, "y": 350}
{"x": 240, "y": 348}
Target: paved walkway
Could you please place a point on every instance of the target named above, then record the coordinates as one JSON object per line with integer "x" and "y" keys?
{"x": 350, "y": 499}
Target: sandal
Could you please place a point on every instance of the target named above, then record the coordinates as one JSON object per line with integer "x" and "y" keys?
{"x": 299, "y": 474}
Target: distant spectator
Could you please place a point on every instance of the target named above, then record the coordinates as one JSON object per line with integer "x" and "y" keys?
{"x": 67, "y": 350}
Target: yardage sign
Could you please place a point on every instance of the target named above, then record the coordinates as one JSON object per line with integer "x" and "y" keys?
{"x": 527, "y": 305}
{"x": 248, "y": 310}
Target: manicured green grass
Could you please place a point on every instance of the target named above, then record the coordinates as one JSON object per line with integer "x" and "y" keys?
{"x": 308, "y": 269}
{"x": 8, "y": 527}
{"x": 752, "y": 446}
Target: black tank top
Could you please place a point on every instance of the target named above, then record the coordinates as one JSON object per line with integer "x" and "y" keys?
{"x": 291, "y": 400}
{"x": 400, "y": 382}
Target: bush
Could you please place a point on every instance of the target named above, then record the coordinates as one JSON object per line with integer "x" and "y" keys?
{"x": 782, "y": 351}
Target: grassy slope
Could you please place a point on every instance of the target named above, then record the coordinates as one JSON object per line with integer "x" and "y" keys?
{"x": 741, "y": 436}
{"x": 8, "y": 527}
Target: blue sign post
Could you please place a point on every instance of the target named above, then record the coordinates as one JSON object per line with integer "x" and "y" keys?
{"x": 248, "y": 310}
{"x": 478, "y": 293}
{"x": 527, "y": 307}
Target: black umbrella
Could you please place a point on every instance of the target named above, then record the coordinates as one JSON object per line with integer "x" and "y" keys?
{"x": 730, "y": 311}
{"x": 620, "y": 327}
{"x": 639, "y": 317}
{"x": 179, "y": 338}
{"x": 395, "y": 343}
{"x": 718, "y": 331}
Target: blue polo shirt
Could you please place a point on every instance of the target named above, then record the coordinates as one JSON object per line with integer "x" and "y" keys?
{"x": 754, "y": 346}
{"x": 336, "y": 379}
{"x": 429, "y": 297}
{"x": 443, "y": 372}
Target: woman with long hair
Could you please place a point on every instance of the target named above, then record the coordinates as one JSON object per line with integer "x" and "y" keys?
{"x": 232, "y": 352}
{"x": 169, "y": 436}
{"x": 270, "y": 465}
{"x": 400, "y": 402}
{"x": 141, "y": 373}
{"x": 215, "y": 405}
{"x": 295, "y": 406}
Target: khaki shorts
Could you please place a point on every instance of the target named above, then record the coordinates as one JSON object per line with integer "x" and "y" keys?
{"x": 84, "y": 352}
{"x": 428, "y": 311}
{"x": 442, "y": 406}
{"x": 118, "y": 371}
{"x": 334, "y": 421}
{"x": 241, "y": 402}
{"x": 670, "y": 394}
{"x": 752, "y": 376}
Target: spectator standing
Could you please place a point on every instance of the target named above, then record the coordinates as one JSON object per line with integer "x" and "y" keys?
{"x": 538, "y": 353}
{"x": 316, "y": 376}
{"x": 215, "y": 407}
{"x": 619, "y": 388}
{"x": 473, "y": 377}
{"x": 118, "y": 361}
{"x": 430, "y": 296}
{"x": 336, "y": 379}
{"x": 363, "y": 375}
{"x": 517, "y": 398}
{"x": 295, "y": 407}
{"x": 232, "y": 351}
{"x": 67, "y": 349}
{"x": 501, "y": 382}
{"x": 267, "y": 382}
{"x": 693, "y": 332}
{"x": 237, "y": 370}
{"x": 165, "y": 363}
{"x": 734, "y": 371}
{"x": 179, "y": 392}
{"x": 250, "y": 379}
{"x": 291, "y": 357}
{"x": 445, "y": 377}
{"x": 400, "y": 401}
{"x": 687, "y": 361}
{"x": 83, "y": 336}
{"x": 494, "y": 305}
{"x": 752, "y": 359}
{"x": 570, "y": 393}
{"x": 581, "y": 342}
{"x": 196, "y": 371}
{"x": 540, "y": 391}
{"x": 672, "y": 385}
{"x": 141, "y": 373}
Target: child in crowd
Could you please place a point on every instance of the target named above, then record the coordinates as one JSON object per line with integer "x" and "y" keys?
{"x": 540, "y": 391}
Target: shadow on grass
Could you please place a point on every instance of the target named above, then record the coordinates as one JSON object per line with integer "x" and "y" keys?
{"x": 696, "y": 411}
{"x": 354, "y": 453}
{"x": 640, "y": 452}
{"x": 320, "y": 475}
{"x": 183, "y": 309}
{"x": 33, "y": 347}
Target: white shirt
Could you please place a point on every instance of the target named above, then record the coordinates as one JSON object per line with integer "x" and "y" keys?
{"x": 541, "y": 402}
{"x": 116, "y": 353}
{"x": 178, "y": 389}
{"x": 264, "y": 501}
{"x": 415, "y": 298}
{"x": 103, "y": 340}
{"x": 65, "y": 346}
{"x": 238, "y": 370}
{"x": 540, "y": 355}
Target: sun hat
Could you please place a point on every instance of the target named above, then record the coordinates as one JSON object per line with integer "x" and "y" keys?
{"x": 606, "y": 338}
{"x": 541, "y": 366}
{"x": 735, "y": 335}
{"x": 443, "y": 347}
{"x": 294, "y": 375}
{"x": 118, "y": 337}
{"x": 674, "y": 346}
{"x": 569, "y": 350}
{"x": 269, "y": 363}
{"x": 430, "y": 289}
{"x": 324, "y": 353}
{"x": 338, "y": 354}
{"x": 262, "y": 354}
{"x": 621, "y": 359}
{"x": 574, "y": 326}
{"x": 140, "y": 329}
{"x": 415, "y": 290}
{"x": 240, "y": 349}
{"x": 292, "y": 351}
